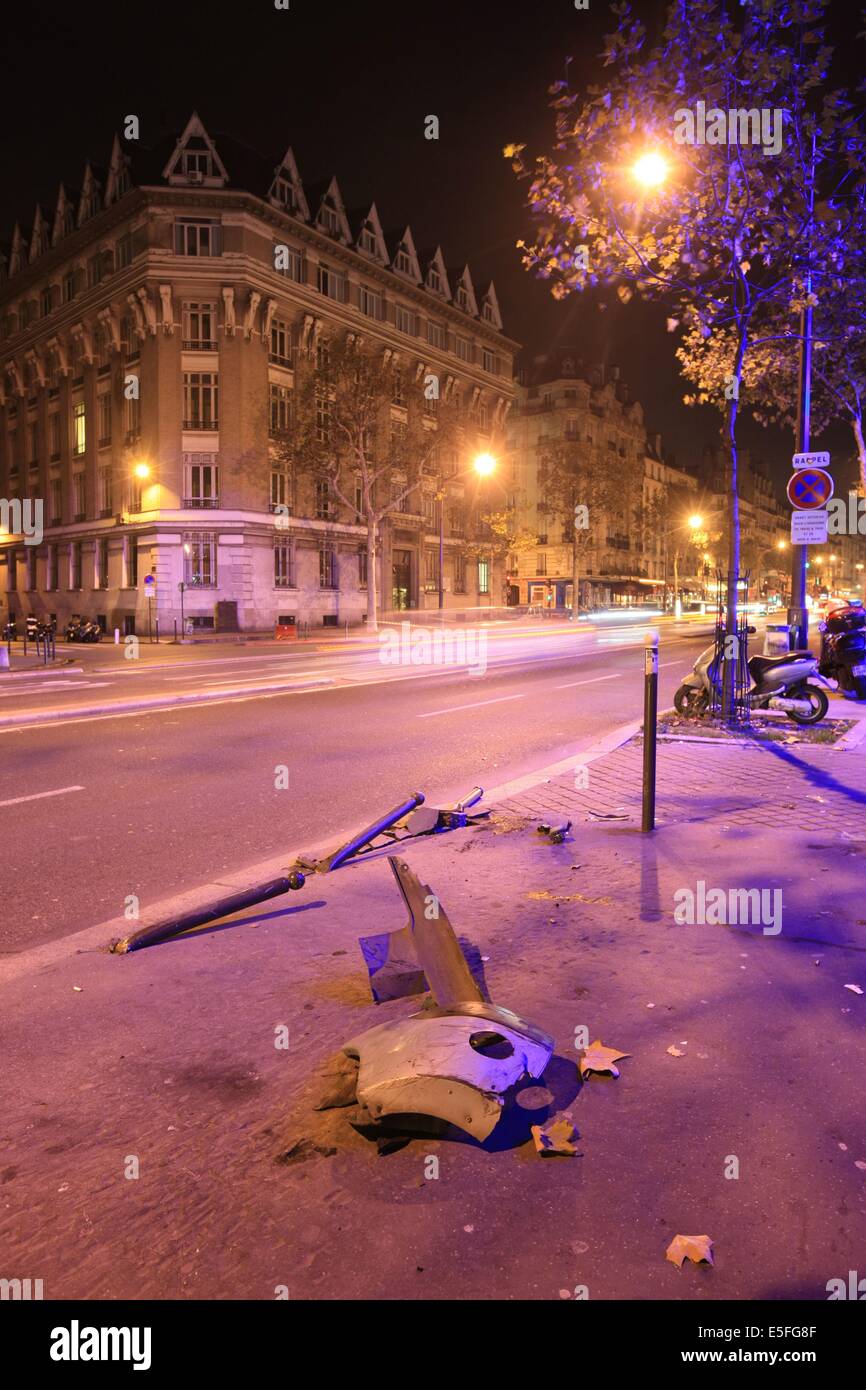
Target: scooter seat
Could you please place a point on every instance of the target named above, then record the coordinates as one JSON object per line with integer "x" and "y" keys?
{"x": 759, "y": 664}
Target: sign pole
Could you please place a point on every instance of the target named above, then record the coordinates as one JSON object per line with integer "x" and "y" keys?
{"x": 798, "y": 613}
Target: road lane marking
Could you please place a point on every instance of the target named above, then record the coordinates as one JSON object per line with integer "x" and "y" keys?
{"x": 40, "y": 796}
{"x": 592, "y": 681}
{"x": 476, "y": 704}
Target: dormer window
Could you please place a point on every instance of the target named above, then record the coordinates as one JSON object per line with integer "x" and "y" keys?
{"x": 330, "y": 219}
{"x": 434, "y": 280}
{"x": 368, "y": 241}
{"x": 403, "y": 262}
{"x": 197, "y": 162}
{"x": 463, "y": 299}
{"x": 284, "y": 192}
{"x": 489, "y": 316}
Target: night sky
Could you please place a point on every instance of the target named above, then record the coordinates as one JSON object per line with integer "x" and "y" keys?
{"x": 349, "y": 86}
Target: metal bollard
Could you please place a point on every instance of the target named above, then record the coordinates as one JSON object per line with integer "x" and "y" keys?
{"x": 650, "y": 728}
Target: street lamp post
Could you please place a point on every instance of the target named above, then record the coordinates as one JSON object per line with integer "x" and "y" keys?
{"x": 484, "y": 465}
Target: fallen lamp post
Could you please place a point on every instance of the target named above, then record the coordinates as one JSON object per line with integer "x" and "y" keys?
{"x": 403, "y": 822}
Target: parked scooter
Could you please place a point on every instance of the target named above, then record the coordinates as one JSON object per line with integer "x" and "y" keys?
{"x": 777, "y": 682}
{"x": 32, "y": 628}
{"x": 90, "y": 631}
{"x": 73, "y": 628}
{"x": 843, "y": 648}
{"x": 10, "y": 631}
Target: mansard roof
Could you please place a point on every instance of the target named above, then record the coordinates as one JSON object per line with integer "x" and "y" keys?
{"x": 234, "y": 165}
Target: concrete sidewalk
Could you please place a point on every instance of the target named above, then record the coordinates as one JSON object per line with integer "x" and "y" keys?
{"x": 164, "y": 1063}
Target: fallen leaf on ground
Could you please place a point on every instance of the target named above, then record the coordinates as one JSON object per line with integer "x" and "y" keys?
{"x": 558, "y": 1136}
{"x": 858, "y": 1163}
{"x": 545, "y": 895}
{"x": 675, "y": 1051}
{"x": 597, "y": 1057}
{"x": 695, "y": 1248}
{"x": 855, "y": 989}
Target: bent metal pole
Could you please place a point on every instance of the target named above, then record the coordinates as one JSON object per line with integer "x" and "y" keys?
{"x": 650, "y": 717}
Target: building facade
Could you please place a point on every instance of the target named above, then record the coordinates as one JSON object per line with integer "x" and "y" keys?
{"x": 151, "y": 328}
{"x": 625, "y": 558}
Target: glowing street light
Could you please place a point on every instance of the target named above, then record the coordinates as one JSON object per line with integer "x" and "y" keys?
{"x": 484, "y": 465}
{"x": 696, "y": 522}
{"x": 651, "y": 169}
{"x": 142, "y": 470}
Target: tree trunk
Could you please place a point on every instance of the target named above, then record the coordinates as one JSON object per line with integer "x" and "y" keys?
{"x": 676, "y": 580}
{"x": 732, "y": 656}
{"x": 857, "y": 426}
{"x": 372, "y": 578}
{"x": 575, "y": 580}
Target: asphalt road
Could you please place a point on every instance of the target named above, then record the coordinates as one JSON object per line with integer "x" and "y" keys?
{"x": 95, "y": 809}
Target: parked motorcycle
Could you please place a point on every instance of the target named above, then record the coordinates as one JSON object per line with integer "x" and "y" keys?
{"x": 10, "y": 631}
{"x": 777, "y": 682}
{"x": 843, "y": 648}
{"x": 32, "y": 628}
{"x": 73, "y": 628}
{"x": 89, "y": 632}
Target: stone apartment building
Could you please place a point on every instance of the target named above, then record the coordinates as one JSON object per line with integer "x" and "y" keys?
{"x": 151, "y": 327}
{"x": 625, "y": 560}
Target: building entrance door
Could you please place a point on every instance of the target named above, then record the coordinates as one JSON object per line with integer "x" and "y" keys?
{"x": 402, "y": 579}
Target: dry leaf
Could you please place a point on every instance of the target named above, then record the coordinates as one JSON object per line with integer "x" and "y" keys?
{"x": 855, "y": 989}
{"x": 675, "y": 1051}
{"x": 558, "y": 1136}
{"x": 694, "y": 1248}
{"x": 597, "y": 1057}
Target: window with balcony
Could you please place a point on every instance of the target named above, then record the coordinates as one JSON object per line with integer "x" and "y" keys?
{"x": 103, "y": 416}
{"x": 132, "y": 418}
{"x": 201, "y": 400}
{"x": 199, "y": 326}
{"x": 46, "y": 301}
{"x": 79, "y": 503}
{"x": 284, "y": 564}
{"x": 282, "y": 492}
{"x": 104, "y": 492}
{"x": 69, "y": 287}
{"x": 404, "y": 320}
{"x": 370, "y": 302}
{"x": 280, "y": 403}
{"x": 201, "y": 482}
{"x": 200, "y": 560}
{"x": 196, "y": 238}
{"x": 281, "y": 343}
{"x": 295, "y": 267}
{"x": 79, "y": 428}
{"x": 323, "y": 500}
{"x": 332, "y": 283}
{"x": 123, "y": 252}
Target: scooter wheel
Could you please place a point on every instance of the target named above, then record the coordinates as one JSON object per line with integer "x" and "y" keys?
{"x": 690, "y": 701}
{"x": 819, "y": 702}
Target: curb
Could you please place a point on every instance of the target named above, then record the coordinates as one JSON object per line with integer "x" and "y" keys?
{"x": 156, "y": 702}
{"x": 100, "y": 937}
